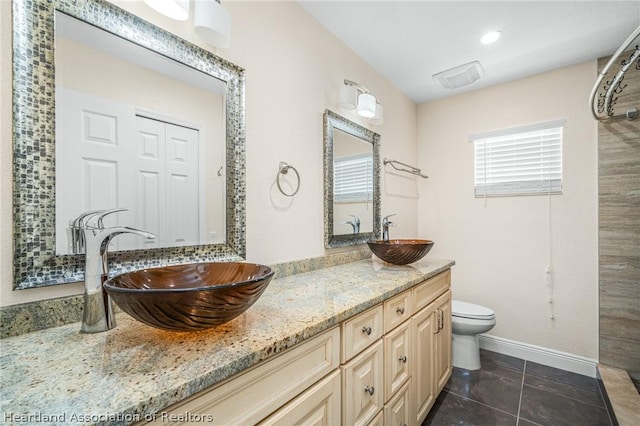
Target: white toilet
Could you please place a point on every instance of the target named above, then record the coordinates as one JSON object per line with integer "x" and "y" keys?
{"x": 467, "y": 321}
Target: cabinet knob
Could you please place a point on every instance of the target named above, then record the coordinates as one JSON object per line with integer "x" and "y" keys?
{"x": 403, "y": 359}
{"x": 400, "y": 310}
{"x": 366, "y": 330}
{"x": 370, "y": 390}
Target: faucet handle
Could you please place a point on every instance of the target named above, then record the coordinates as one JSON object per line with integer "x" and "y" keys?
{"x": 75, "y": 235}
{"x": 78, "y": 221}
{"x": 356, "y": 219}
{"x": 94, "y": 221}
{"x": 386, "y": 220}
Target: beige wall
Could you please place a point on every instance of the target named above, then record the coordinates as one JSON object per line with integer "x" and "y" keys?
{"x": 293, "y": 71}
{"x": 502, "y": 246}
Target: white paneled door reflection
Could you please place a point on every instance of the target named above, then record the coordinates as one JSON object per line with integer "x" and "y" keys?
{"x": 107, "y": 156}
{"x": 167, "y": 181}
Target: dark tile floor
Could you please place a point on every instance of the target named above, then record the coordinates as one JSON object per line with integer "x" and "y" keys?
{"x": 512, "y": 391}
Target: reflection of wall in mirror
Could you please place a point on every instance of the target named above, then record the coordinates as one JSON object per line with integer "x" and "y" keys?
{"x": 83, "y": 69}
{"x": 346, "y": 145}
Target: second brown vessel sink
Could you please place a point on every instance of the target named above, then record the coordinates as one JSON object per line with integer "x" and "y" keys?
{"x": 189, "y": 297}
{"x": 400, "y": 252}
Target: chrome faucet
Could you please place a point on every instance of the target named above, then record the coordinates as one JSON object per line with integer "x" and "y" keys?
{"x": 98, "y": 309}
{"x": 355, "y": 223}
{"x": 386, "y": 223}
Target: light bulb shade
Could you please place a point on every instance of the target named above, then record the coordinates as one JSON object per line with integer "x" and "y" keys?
{"x": 212, "y": 22}
{"x": 366, "y": 105}
{"x": 174, "y": 9}
{"x": 378, "y": 119}
{"x": 348, "y": 97}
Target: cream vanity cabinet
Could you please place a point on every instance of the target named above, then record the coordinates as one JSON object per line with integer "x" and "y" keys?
{"x": 384, "y": 366}
{"x": 412, "y": 347}
{"x": 302, "y": 383}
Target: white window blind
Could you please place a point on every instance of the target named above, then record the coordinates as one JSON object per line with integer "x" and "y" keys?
{"x": 353, "y": 178}
{"x": 520, "y": 161}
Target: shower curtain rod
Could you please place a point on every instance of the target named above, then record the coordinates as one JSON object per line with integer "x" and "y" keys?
{"x": 613, "y": 87}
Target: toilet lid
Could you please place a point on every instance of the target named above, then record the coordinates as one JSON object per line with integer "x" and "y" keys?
{"x": 470, "y": 310}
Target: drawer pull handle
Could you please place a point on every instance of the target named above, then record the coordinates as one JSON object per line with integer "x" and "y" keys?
{"x": 400, "y": 310}
{"x": 403, "y": 359}
{"x": 367, "y": 330}
{"x": 370, "y": 390}
{"x": 403, "y": 424}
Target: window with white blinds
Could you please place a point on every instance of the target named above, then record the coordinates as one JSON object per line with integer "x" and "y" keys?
{"x": 525, "y": 160}
{"x": 353, "y": 178}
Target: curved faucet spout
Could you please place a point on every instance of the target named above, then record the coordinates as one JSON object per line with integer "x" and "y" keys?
{"x": 98, "y": 310}
{"x": 355, "y": 223}
{"x": 386, "y": 223}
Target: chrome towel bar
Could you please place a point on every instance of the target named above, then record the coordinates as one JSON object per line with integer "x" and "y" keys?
{"x": 409, "y": 169}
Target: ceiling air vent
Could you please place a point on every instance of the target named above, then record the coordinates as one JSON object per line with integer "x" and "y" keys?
{"x": 460, "y": 76}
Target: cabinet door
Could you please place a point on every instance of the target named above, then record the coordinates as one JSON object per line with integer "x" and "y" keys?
{"x": 377, "y": 420}
{"x": 397, "y": 359}
{"x": 317, "y": 406}
{"x": 443, "y": 341}
{"x": 424, "y": 327}
{"x": 398, "y": 411}
{"x": 362, "y": 394}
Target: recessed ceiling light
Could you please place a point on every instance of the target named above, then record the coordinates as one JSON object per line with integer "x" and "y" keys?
{"x": 490, "y": 37}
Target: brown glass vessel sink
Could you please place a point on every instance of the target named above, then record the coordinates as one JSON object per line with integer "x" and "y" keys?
{"x": 189, "y": 297}
{"x": 400, "y": 252}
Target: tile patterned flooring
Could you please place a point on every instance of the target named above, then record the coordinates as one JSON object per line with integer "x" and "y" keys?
{"x": 515, "y": 392}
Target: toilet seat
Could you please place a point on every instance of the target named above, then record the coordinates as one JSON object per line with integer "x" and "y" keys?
{"x": 470, "y": 310}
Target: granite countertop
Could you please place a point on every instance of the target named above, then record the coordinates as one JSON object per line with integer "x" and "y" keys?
{"x": 59, "y": 376}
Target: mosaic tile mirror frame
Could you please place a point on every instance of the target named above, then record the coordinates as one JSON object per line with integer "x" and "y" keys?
{"x": 35, "y": 260}
{"x": 331, "y": 123}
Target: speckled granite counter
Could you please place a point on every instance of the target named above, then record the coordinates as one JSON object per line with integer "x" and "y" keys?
{"x": 59, "y": 376}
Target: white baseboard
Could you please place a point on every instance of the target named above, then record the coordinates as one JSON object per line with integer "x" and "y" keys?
{"x": 552, "y": 358}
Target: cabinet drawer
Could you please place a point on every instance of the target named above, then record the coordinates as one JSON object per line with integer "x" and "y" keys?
{"x": 251, "y": 396}
{"x": 397, "y": 359}
{"x": 399, "y": 411}
{"x": 318, "y": 405}
{"x": 361, "y": 331}
{"x": 425, "y": 293}
{"x": 397, "y": 310}
{"x": 362, "y": 387}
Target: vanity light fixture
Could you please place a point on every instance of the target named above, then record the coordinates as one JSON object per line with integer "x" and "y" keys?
{"x": 174, "y": 9}
{"x": 212, "y": 22}
{"x": 378, "y": 119}
{"x": 348, "y": 97}
{"x": 354, "y": 96}
{"x": 366, "y": 105}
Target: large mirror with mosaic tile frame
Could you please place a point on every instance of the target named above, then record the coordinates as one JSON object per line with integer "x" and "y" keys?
{"x": 351, "y": 182}
{"x": 35, "y": 261}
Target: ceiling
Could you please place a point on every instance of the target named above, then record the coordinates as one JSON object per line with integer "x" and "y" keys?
{"x": 409, "y": 41}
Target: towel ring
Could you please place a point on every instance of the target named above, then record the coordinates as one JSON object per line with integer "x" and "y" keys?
{"x": 283, "y": 168}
